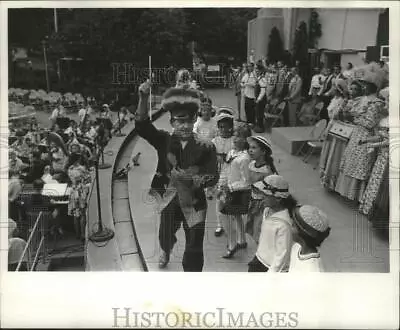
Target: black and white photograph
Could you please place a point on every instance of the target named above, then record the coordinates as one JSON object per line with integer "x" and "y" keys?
{"x": 199, "y": 139}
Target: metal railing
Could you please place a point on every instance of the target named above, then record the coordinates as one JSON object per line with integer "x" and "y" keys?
{"x": 35, "y": 245}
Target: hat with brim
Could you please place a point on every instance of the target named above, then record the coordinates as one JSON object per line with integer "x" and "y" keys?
{"x": 261, "y": 139}
{"x": 312, "y": 221}
{"x": 224, "y": 112}
{"x": 371, "y": 73}
{"x": 273, "y": 185}
{"x": 181, "y": 103}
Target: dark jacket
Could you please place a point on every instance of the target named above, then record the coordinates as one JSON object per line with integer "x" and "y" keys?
{"x": 196, "y": 153}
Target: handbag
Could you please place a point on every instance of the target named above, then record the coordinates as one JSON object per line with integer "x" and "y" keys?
{"x": 236, "y": 202}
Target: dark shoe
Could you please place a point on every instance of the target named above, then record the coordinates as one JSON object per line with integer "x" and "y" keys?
{"x": 219, "y": 231}
{"x": 258, "y": 129}
{"x": 242, "y": 245}
{"x": 164, "y": 260}
{"x": 230, "y": 253}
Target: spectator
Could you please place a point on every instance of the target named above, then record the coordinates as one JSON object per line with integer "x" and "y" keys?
{"x": 80, "y": 178}
{"x": 317, "y": 82}
{"x": 348, "y": 73}
{"x": 15, "y": 163}
{"x": 36, "y": 169}
{"x": 261, "y": 97}
{"x": 248, "y": 84}
{"x": 16, "y": 247}
{"x": 14, "y": 189}
{"x": 294, "y": 96}
{"x": 58, "y": 112}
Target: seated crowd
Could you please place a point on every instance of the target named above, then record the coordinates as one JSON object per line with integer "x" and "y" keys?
{"x": 64, "y": 153}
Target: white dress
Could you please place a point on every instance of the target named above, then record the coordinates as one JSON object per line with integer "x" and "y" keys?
{"x": 304, "y": 263}
{"x": 206, "y": 130}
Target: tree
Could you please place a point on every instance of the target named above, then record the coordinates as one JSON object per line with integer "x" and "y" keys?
{"x": 314, "y": 32}
{"x": 300, "y": 48}
{"x": 275, "y": 46}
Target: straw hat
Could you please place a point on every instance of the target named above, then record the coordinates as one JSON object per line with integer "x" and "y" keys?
{"x": 312, "y": 221}
{"x": 261, "y": 139}
{"x": 224, "y": 112}
{"x": 273, "y": 185}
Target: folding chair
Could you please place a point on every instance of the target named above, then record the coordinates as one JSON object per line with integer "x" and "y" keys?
{"x": 276, "y": 113}
{"x": 315, "y": 142}
{"x": 314, "y": 135}
{"x": 315, "y": 116}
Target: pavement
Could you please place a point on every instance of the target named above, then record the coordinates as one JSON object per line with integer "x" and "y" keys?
{"x": 353, "y": 245}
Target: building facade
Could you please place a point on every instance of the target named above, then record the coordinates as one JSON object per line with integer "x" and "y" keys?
{"x": 346, "y": 32}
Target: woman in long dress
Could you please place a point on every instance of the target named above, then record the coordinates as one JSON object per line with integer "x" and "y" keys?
{"x": 357, "y": 162}
{"x": 375, "y": 201}
{"x": 334, "y": 147}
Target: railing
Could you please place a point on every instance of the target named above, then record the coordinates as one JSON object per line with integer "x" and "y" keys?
{"x": 34, "y": 245}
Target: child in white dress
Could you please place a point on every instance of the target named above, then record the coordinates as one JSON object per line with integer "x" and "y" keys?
{"x": 311, "y": 229}
{"x": 235, "y": 192}
{"x": 223, "y": 143}
{"x": 205, "y": 126}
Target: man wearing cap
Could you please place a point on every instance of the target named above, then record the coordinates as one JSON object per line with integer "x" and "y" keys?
{"x": 186, "y": 166}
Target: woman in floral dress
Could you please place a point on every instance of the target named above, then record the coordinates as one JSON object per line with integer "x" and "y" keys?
{"x": 375, "y": 202}
{"x": 80, "y": 178}
{"x": 334, "y": 147}
{"x": 357, "y": 162}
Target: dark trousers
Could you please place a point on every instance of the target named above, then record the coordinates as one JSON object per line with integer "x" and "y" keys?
{"x": 255, "y": 265}
{"x": 249, "y": 109}
{"x": 324, "y": 111}
{"x": 260, "y": 108}
{"x": 171, "y": 220}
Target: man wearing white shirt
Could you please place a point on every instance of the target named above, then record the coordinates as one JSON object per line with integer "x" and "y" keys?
{"x": 248, "y": 84}
{"x": 83, "y": 113}
{"x": 317, "y": 82}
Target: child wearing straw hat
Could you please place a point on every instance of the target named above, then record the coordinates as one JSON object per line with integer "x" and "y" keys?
{"x": 311, "y": 229}
{"x": 261, "y": 165}
{"x": 223, "y": 143}
{"x": 276, "y": 236}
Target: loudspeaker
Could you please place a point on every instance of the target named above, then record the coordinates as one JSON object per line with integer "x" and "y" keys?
{"x": 373, "y": 54}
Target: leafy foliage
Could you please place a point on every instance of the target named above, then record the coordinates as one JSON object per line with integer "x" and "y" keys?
{"x": 314, "y": 32}
{"x": 300, "y": 48}
{"x": 275, "y": 46}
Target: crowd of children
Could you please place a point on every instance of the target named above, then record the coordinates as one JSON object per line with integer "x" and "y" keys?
{"x": 251, "y": 198}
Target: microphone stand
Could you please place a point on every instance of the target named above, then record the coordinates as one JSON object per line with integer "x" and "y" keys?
{"x": 119, "y": 133}
{"x": 102, "y": 234}
{"x": 100, "y": 145}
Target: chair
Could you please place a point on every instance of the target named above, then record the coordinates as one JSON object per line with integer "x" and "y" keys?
{"x": 316, "y": 141}
{"x": 276, "y": 113}
{"x": 314, "y": 117}
{"x": 271, "y": 105}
